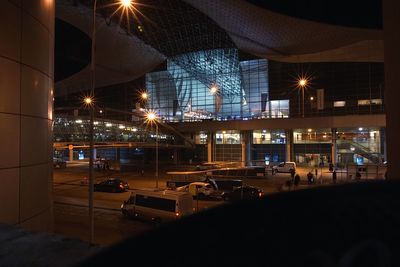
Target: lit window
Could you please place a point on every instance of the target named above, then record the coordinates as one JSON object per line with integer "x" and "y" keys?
{"x": 338, "y": 104}
{"x": 376, "y": 101}
{"x": 365, "y": 102}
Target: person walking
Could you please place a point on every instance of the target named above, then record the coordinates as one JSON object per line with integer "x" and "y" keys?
{"x": 330, "y": 167}
{"x": 292, "y": 172}
{"x": 334, "y": 177}
{"x": 310, "y": 178}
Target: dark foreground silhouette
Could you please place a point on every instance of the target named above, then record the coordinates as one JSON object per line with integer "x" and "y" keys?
{"x": 347, "y": 225}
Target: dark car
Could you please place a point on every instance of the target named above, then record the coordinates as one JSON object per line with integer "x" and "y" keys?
{"x": 243, "y": 192}
{"x": 59, "y": 163}
{"x": 113, "y": 185}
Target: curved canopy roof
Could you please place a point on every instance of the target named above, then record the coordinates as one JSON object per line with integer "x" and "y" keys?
{"x": 160, "y": 29}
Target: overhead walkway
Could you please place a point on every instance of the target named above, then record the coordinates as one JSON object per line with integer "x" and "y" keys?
{"x": 127, "y": 132}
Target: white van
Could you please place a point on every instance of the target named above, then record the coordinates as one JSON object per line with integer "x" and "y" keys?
{"x": 157, "y": 205}
{"x": 287, "y": 166}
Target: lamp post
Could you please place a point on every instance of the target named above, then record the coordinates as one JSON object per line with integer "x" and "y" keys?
{"x": 214, "y": 92}
{"x": 302, "y": 83}
{"x": 152, "y": 118}
{"x": 89, "y": 101}
{"x": 125, "y": 4}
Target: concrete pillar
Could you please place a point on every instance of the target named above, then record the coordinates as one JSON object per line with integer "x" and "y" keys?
{"x": 391, "y": 22}
{"x": 210, "y": 147}
{"x": 382, "y": 135}
{"x": 71, "y": 153}
{"x": 246, "y": 142}
{"x": 26, "y": 113}
{"x": 243, "y": 157}
{"x": 117, "y": 154}
{"x": 334, "y": 147}
{"x": 249, "y": 145}
{"x": 288, "y": 145}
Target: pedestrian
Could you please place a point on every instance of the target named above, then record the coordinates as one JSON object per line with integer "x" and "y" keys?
{"x": 292, "y": 172}
{"x": 316, "y": 172}
{"x": 310, "y": 178}
{"x": 330, "y": 167}
{"x": 296, "y": 180}
{"x": 334, "y": 177}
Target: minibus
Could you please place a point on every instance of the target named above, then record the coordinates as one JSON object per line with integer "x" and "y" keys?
{"x": 157, "y": 205}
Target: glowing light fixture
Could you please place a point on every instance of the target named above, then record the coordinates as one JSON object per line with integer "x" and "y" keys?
{"x": 151, "y": 117}
{"x": 213, "y": 90}
{"x": 126, "y": 3}
{"x": 302, "y": 82}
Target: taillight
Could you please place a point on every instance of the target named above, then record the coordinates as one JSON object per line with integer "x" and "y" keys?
{"x": 260, "y": 194}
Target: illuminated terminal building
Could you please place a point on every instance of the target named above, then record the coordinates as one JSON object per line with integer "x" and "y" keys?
{"x": 232, "y": 86}
{"x": 223, "y": 77}
{"x": 251, "y": 110}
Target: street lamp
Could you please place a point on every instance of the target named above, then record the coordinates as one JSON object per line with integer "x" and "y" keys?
{"x": 302, "y": 84}
{"x": 217, "y": 100}
{"x": 144, "y": 96}
{"x": 89, "y": 101}
{"x": 151, "y": 117}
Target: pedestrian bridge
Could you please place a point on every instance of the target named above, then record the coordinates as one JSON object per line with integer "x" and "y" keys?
{"x": 73, "y": 132}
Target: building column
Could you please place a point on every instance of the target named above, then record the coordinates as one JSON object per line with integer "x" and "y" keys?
{"x": 383, "y": 148}
{"x": 288, "y": 145}
{"x": 334, "y": 147}
{"x": 391, "y": 22}
{"x": 117, "y": 154}
{"x": 71, "y": 153}
{"x": 246, "y": 141}
{"x": 26, "y": 113}
{"x": 210, "y": 147}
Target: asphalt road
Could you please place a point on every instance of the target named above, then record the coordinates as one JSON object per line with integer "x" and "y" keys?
{"x": 71, "y": 201}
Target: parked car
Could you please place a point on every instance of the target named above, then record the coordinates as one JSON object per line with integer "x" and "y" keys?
{"x": 59, "y": 163}
{"x": 288, "y": 166}
{"x": 198, "y": 189}
{"x": 113, "y": 185}
{"x": 242, "y": 192}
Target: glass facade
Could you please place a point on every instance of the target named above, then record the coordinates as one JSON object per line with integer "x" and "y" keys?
{"x": 227, "y": 137}
{"x": 77, "y": 129}
{"x": 201, "y": 138}
{"x": 213, "y": 85}
{"x": 359, "y": 145}
{"x": 269, "y": 137}
{"x": 313, "y": 146}
{"x": 301, "y": 136}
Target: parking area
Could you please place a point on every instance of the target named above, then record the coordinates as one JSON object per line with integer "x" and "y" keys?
{"x": 70, "y": 187}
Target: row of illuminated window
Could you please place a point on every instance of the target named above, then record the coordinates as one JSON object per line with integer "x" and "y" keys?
{"x": 362, "y": 136}
{"x": 362, "y": 102}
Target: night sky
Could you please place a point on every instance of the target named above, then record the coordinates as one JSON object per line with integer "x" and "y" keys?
{"x": 351, "y": 13}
